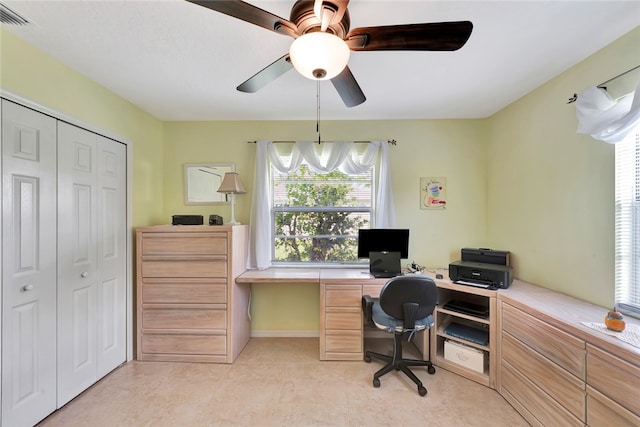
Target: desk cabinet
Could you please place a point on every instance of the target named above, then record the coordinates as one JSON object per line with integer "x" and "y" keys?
{"x": 189, "y": 307}
{"x": 448, "y": 291}
{"x": 341, "y": 321}
{"x": 555, "y": 371}
{"x": 543, "y": 370}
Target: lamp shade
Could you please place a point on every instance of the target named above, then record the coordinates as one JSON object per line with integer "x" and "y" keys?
{"x": 319, "y": 55}
{"x": 231, "y": 184}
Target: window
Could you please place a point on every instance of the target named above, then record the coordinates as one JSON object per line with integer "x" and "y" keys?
{"x": 316, "y": 216}
{"x": 627, "y": 241}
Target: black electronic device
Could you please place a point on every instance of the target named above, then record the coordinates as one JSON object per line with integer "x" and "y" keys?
{"x": 467, "y": 307}
{"x": 480, "y": 274}
{"x": 384, "y": 264}
{"x": 187, "y": 220}
{"x": 485, "y": 255}
{"x": 383, "y": 240}
{"x": 215, "y": 220}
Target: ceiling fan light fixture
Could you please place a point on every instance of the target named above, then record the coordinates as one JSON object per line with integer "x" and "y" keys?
{"x": 319, "y": 55}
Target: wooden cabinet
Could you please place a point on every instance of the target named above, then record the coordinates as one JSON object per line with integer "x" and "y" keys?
{"x": 543, "y": 369}
{"x": 341, "y": 322}
{"x": 613, "y": 390}
{"x": 189, "y": 306}
{"x": 447, "y": 292}
{"x": 556, "y": 371}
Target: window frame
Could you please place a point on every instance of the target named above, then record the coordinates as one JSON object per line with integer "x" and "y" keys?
{"x": 275, "y": 210}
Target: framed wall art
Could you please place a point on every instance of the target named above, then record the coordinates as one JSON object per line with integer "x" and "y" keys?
{"x": 433, "y": 193}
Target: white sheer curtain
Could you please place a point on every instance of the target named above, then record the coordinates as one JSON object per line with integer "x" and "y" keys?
{"x": 322, "y": 158}
{"x": 605, "y": 118}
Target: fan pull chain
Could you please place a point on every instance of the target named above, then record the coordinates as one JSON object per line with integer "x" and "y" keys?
{"x": 318, "y": 109}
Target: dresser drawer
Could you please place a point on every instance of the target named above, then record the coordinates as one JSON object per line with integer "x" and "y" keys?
{"x": 184, "y": 268}
{"x": 184, "y": 318}
{"x": 564, "y": 349}
{"x": 180, "y": 244}
{"x": 171, "y": 291}
{"x": 614, "y": 378}
{"x": 343, "y": 342}
{"x": 193, "y": 344}
{"x": 603, "y": 412}
{"x": 343, "y": 319}
{"x": 546, "y": 411}
{"x": 343, "y": 295}
{"x": 562, "y": 386}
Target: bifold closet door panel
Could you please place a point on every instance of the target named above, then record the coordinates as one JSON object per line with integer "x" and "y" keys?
{"x": 91, "y": 259}
{"x": 28, "y": 265}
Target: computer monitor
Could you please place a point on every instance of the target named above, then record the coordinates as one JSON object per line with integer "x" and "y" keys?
{"x": 383, "y": 240}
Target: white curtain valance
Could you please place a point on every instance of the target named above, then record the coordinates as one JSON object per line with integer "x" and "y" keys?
{"x": 322, "y": 158}
{"x": 605, "y": 118}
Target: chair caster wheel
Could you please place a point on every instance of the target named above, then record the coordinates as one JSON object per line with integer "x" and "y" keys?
{"x": 376, "y": 382}
{"x": 431, "y": 370}
{"x": 422, "y": 391}
{"x": 367, "y": 359}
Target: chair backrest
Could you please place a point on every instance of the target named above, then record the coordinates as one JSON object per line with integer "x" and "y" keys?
{"x": 413, "y": 289}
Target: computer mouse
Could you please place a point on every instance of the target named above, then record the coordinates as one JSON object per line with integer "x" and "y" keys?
{"x": 439, "y": 276}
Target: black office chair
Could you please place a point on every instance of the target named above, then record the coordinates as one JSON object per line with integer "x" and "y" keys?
{"x": 405, "y": 306}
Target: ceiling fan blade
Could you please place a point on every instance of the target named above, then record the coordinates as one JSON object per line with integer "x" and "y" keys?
{"x": 436, "y": 36}
{"x": 348, "y": 88}
{"x": 250, "y": 13}
{"x": 266, "y": 75}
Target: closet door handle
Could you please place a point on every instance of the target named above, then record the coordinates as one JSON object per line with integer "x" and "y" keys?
{"x": 84, "y": 274}
{"x": 26, "y": 288}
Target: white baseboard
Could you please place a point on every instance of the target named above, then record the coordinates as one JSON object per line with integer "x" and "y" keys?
{"x": 284, "y": 334}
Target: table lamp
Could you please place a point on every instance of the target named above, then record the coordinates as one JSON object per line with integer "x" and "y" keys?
{"x": 231, "y": 185}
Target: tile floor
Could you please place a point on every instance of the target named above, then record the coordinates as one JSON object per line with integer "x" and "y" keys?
{"x": 281, "y": 382}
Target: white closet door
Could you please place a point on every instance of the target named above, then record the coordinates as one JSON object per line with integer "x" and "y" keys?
{"x": 91, "y": 258}
{"x": 28, "y": 265}
{"x": 77, "y": 260}
{"x": 112, "y": 255}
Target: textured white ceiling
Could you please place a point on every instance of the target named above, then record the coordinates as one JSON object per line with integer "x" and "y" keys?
{"x": 180, "y": 61}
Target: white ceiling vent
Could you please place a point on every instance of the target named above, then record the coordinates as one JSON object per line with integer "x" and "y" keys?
{"x": 9, "y": 17}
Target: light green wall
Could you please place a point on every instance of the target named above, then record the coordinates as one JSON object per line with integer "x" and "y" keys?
{"x": 551, "y": 199}
{"x": 34, "y": 75}
{"x": 455, "y": 149}
{"x": 522, "y": 180}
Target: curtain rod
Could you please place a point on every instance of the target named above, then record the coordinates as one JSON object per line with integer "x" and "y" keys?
{"x": 574, "y": 98}
{"x": 391, "y": 142}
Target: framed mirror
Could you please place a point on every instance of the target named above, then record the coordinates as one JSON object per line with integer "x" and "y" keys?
{"x": 201, "y": 183}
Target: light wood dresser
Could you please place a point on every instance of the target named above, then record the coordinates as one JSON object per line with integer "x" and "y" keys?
{"x": 556, "y": 371}
{"x": 189, "y": 308}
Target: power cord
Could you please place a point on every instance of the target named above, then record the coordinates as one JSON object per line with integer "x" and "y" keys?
{"x": 415, "y": 268}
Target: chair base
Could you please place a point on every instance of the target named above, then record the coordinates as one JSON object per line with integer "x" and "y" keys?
{"x": 397, "y": 363}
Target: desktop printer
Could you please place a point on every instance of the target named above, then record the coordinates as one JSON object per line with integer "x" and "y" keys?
{"x": 483, "y": 275}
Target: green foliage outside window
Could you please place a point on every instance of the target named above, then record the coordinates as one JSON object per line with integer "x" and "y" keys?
{"x": 317, "y": 216}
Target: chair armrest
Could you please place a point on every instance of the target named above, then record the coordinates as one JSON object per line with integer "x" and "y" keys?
{"x": 367, "y": 309}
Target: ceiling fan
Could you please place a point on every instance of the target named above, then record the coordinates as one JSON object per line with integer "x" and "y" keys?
{"x": 323, "y": 41}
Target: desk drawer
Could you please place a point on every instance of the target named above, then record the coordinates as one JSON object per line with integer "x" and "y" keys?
{"x": 343, "y": 320}
{"x": 343, "y": 295}
{"x": 180, "y": 244}
{"x": 547, "y": 412}
{"x": 184, "y": 318}
{"x": 343, "y": 341}
{"x": 184, "y": 344}
{"x": 160, "y": 291}
{"x": 615, "y": 378}
{"x": 564, "y": 349}
{"x": 603, "y": 412}
{"x": 562, "y": 386}
{"x": 185, "y": 268}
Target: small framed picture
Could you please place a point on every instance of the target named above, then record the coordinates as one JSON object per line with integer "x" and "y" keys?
{"x": 433, "y": 193}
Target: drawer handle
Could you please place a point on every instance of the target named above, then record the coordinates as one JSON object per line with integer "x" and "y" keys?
{"x": 26, "y": 288}
{"x": 84, "y": 274}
